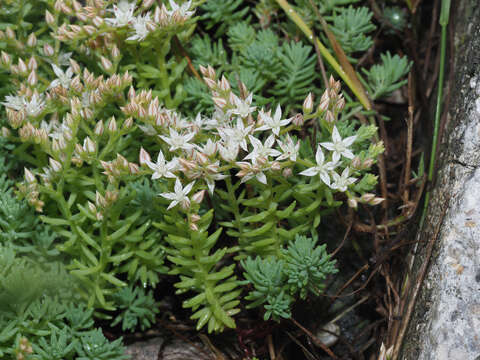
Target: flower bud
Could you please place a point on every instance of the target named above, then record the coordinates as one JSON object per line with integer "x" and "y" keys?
{"x": 92, "y": 207}
{"x": 298, "y": 120}
{"x": 50, "y": 20}
{"x": 367, "y": 197}
{"x": 112, "y": 125}
{"x": 193, "y": 227}
{"x": 220, "y": 102}
{"x": 147, "y": 4}
{"x": 89, "y": 146}
{"x": 75, "y": 67}
{"x": 29, "y": 177}
{"x": 133, "y": 168}
{"x": 144, "y": 157}
{"x": 31, "y": 40}
{"x": 198, "y": 196}
{"x": 367, "y": 163}
{"x": 97, "y": 21}
{"x": 356, "y": 162}
{"x": 98, "y": 130}
{"x": 128, "y": 123}
{"x": 10, "y": 34}
{"x": 106, "y": 64}
{"x": 115, "y": 52}
{"x": 48, "y": 50}
{"x": 276, "y": 166}
{"x": 210, "y": 83}
{"x": 287, "y": 172}
{"x": 329, "y": 117}
{"x": 195, "y": 218}
{"x": 308, "y": 104}
{"x": 32, "y": 63}
{"x": 32, "y": 78}
{"x": 352, "y": 203}
{"x": 5, "y": 59}
{"x": 55, "y": 165}
{"x": 5, "y": 132}
{"x": 22, "y": 67}
{"x": 224, "y": 84}
{"x": 377, "y": 201}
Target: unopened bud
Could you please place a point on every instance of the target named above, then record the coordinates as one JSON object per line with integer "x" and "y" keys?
{"x": 220, "y": 102}
{"x": 367, "y": 163}
{"x": 193, "y": 227}
{"x": 115, "y": 53}
{"x": 98, "y": 130}
{"x": 377, "y": 201}
{"x": 224, "y": 84}
{"x": 32, "y": 78}
{"x": 329, "y": 117}
{"x": 22, "y": 67}
{"x": 89, "y": 146}
{"x": 48, "y": 50}
{"x": 128, "y": 123}
{"x": 92, "y": 207}
{"x": 112, "y": 125}
{"x": 308, "y": 104}
{"x": 147, "y": 4}
{"x": 287, "y": 172}
{"x": 276, "y": 166}
{"x": 298, "y": 120}
{"x": 5, "y": 132}
{"x": 195, "y": 218}
{"x": 55, "y": 165}
{"x": 32, "y": 40}
{"x": 50, "y": 20}
{"x": 356, "y": 162}
{"x": 144, "y": 157}
{"x": 353, "y": 203}
{"x": 5, "y": 58}
{"x": 97, "y": 21}
{"x": 106, "y": 64}
{"x": 198, "y": 196}
{"x": 133, "y": 168}
{"x": 10, "y": 34}
{"x": 29, "y": 177}
{"x": 32, "y": 63}
{"x": 367, "y": 197}
{"x": 75, "y": 67}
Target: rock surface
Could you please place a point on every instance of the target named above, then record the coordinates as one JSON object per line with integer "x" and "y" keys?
{"x": 446, "y": 321}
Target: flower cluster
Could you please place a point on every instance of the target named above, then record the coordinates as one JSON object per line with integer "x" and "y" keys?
{"x": 252, "y": 143}
{"x": 139, "y": 22}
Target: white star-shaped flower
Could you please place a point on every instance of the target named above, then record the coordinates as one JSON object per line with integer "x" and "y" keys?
{"x": 242, "y": 108}
{"x": 249, "y": 171}
{"x": 236, "y": 134}
{"x": 339, "y": 146}
{"x": 142, "y": 26}
{"x": 161, "y": 168}
{"x": 228, "y": 151}
{"x": 262, "y": 150}
{"x": 289, "y": 148}
{"x": 123, "y": 14}
{"x": 341, "y": 182}
{"x": 182, "y": 10}
{"x": 209, "y": 148}
{"x": 178, "y": 141}
{"x": 32, "y": 107}
{"x": 322, "y": 168}
{"x": 179, "y": 196}
{"x": 63, "y": 78}
{"x": 274, "y": 123}
{"x": 14, "y": 102}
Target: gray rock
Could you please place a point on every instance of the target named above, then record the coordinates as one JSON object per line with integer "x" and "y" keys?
{"x": 446, "y": 320}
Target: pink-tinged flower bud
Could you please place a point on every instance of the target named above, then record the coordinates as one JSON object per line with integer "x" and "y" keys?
{"x": 32, "y": 63}
{"x": 185, "y": 204}
{"x": 131, "y": 93}
{"x": 106, "y": 64}
{"x": 203, "y": 70}
{"x": 329, "y": 117}
{"x": 29, "y": 177}
{"x": 195, "y": 218}
{"x": 308, "y": 104}
{"x": 5, "y": 58}
{"x": 367, "y": 163}
{"x": 224, "y": 84}
{"x": 31, "y": 40}
{"x": 115, "y": 52}
{"x": 14, "y": 69}
{"x": 97, "y": 21}
{"x": 32, "y": 78}
{"x": 48, "y": 50}
{"x": 5, "y": 132}
{"x": 92, "y": 207}
{"x": 287, "y": 172}
{"x": 220, "y": 102}
{"x": 98, "y": 130}
{"x": 340, "y": 104}
{"x": 198, "y": 196}
{"x": 62, "y": 143}
{"x": 276, "y": 166}
{"x": 298, "y": 120}
{"x": 10, "y": 34}
{"x": 367, "y": 197}
{"x": 75, "y": 67}
{"x": 122, "y": 162}
{"x": 22, "y": 67}
{"x": 144, "y": 157}
{"x": 356, "y": 162}
{"x": 49, "y": 18}
{"x": 87, "y": 113}
{"x": 76, "y": 6}
{"x": 89, "y": 29}
{"x": 112, "y": 125}
{"x": 353, "y": 203}
{"x": 210, "y": 83}
{"x": 55, "y": 165}
{"x": 89, "y": 146}
{"x": 147, "y": 4}
{"x": 376, "y": 201}
{"x": 100, "y": 200}
{"x": 133, "y": 168}
{"x": 79, "y": 149}
{"x": 55, "y": 146}
{"x": 211, "y": 72}
{"x": 128, "y": 123}
{"x": 193, "y": 227}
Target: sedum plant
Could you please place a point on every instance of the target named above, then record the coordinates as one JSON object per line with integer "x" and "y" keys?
{"x": 136, "y": 191}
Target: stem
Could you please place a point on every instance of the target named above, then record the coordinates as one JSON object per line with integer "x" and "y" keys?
{"x": 236, "y": 210}
{"x": 444, "y": 17}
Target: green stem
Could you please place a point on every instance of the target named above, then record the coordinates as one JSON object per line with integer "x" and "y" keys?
{"x": 236, "y": 209}
{"x": 444, "y": 17}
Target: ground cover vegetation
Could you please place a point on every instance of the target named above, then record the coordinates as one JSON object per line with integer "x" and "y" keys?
{"x": 197, "y": 149}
